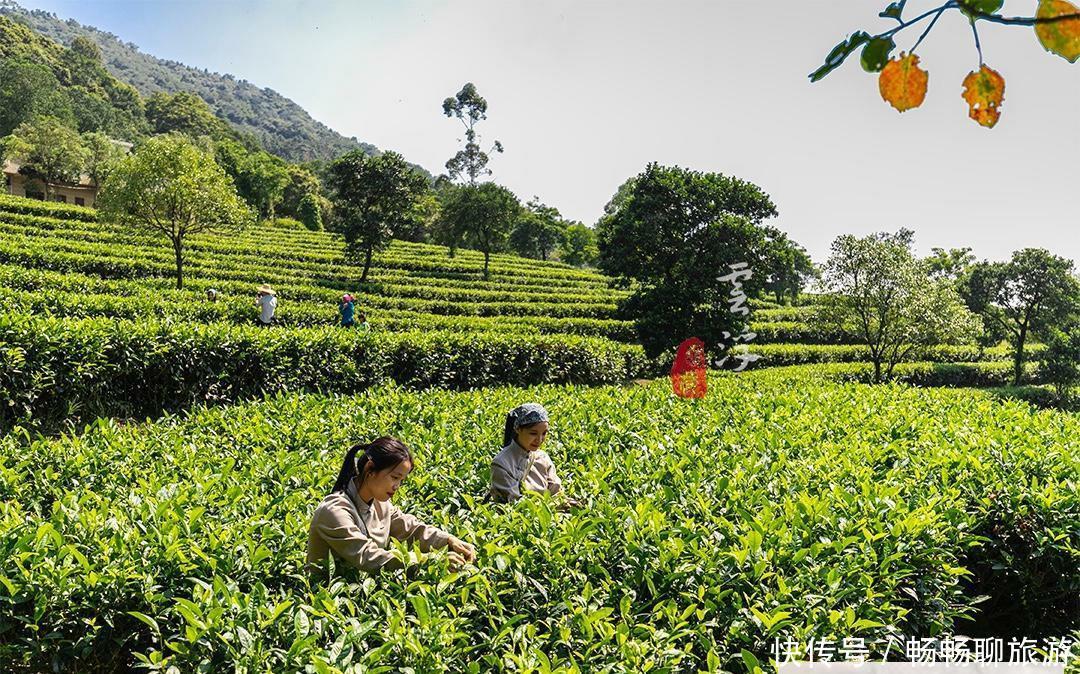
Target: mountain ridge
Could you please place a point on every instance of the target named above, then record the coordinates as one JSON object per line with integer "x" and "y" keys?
{"x": 281, "y": 125}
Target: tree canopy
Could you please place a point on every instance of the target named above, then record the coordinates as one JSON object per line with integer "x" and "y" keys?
{"x": 171, "y": 186}
{"x": 185, "y": 113}
{"x": 674, "y": 232}
{"x": 373, "y": 197}
{"x": 469, "y": 107}
{"x": 787, "y": 266}
{"x": 538, "y": 231}
{"x": 48, "y": 150}
{"x": 1024, "y": 297}
{"x": 880, "y": 291}
{"x": 482, "y": 215}
{"x": 29, "y": 90}
{"x": 579, "y": 245}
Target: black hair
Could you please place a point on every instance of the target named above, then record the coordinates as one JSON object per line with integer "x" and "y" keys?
{"x": 385, "y": 452}
{"x": 509, "y": 432}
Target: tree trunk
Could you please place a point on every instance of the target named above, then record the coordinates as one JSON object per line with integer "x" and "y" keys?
{"x": 1018, "y": 359}
{"x": 367, "y": 263}
{"x": 178, "y": 248}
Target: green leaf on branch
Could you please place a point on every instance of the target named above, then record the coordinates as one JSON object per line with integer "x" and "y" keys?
{"x": 973, "y": 8}
{"x": 839, "y": 53}
{"x": 876, "y": 54}
{"x": 893, "y": 11}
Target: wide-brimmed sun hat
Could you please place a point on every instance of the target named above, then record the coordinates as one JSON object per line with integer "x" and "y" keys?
{"x": 264, "y": 288}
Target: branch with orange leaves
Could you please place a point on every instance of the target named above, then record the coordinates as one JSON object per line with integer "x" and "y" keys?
{"x": 903, "y": 83}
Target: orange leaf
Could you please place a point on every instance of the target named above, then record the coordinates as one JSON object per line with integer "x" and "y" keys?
{"x": 903, "y": 83}
{"x": 984, "y": 91}
{"x": 1060, "y": 37}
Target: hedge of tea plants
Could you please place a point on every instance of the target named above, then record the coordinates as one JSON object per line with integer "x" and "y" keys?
{"x": 781, "y": 504}
{"x": 65, "y": 371}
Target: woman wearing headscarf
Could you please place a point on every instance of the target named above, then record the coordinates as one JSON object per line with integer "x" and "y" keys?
{"x": 346, "y": 308}
{"x": 356, "y": 521}
{"x": 521, "y": 465}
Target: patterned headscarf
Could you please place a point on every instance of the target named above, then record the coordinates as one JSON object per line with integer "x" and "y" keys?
{"x": 529, "y": 413}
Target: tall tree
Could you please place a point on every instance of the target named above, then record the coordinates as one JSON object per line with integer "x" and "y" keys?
{"x": 452, "y": 221}
{"x": 260, "y": 177}
{"x": 469, "y": 107}
{"x": 538, "y": 231}
{"x": 48, "y": 150}
{"x": 674, "y": 232}
{"x": 880, "y": 291}
{"x": 102, "y": 155}
{"x": 309, "y": 212}
{"x": 495, "y": 211}
{"x": 265, "y": 177}
{"x": 302, "y": 182}
{"x": 171, "y": 186}
{"x": 579, "y": 245}
{"x": 92, "y": 112}
{"x": 480, "y": 215}
{"x": 787, "y": 266}
{"x": 373, "y": 197}
{"x": 1025, "y": 297}
{"x": 29, "y": 90}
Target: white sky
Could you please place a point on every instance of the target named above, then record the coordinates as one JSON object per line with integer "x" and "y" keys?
{"x": 584, "y": 93}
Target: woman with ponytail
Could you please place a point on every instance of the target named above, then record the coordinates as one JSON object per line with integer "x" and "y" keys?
{"x": 356, "y": 520}
{"x": 521, "y": 465}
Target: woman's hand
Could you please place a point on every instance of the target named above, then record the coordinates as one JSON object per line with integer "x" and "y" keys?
{"x": 570, "y": 504}
{"x": 456, "y": 560}
{"x": 461, "y": 548}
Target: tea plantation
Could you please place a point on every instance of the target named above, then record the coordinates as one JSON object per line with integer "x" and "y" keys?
{"x": 93, "y": 325}
{"x": 782, "y": 504}
{"x": 160, "y": 458}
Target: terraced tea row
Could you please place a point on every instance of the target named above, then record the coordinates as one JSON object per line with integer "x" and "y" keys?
{"x": 81, "y": 295}
{"x": 263, "y": 243}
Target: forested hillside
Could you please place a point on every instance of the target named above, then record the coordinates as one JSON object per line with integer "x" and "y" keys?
{"x": 280, "y": 125}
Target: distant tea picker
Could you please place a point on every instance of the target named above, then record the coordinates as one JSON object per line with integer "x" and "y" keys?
{"x": 347, "y": 309}
{"x": 266, "y": 301}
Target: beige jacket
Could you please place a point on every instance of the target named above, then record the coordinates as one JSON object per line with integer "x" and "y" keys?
{"x": 359, "y": 533}
{"x": 515, "y": 469}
